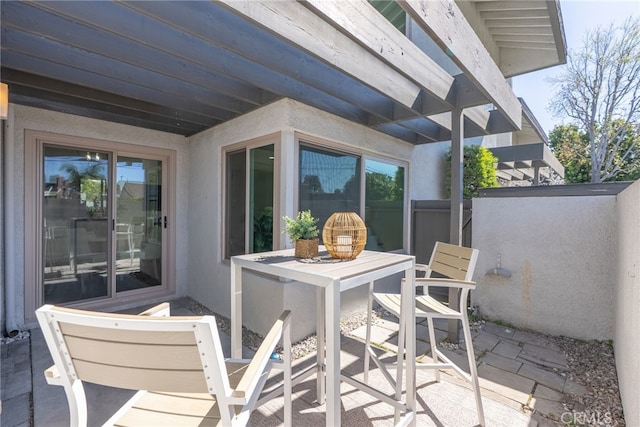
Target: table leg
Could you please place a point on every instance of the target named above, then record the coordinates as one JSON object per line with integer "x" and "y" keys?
{"x": 320, "y": 345}
{"x": 332, "y": 307}
{"x": 409, "y": 320}
{"x": 236, "y": 311}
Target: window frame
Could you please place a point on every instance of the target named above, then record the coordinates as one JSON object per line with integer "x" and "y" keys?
{"x": 247, "y": 146}
{"x": 302, "y": 139}
{"x": 35, "y": 141}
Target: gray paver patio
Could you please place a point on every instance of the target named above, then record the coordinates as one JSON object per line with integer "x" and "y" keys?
{"x": 510, "y": 387}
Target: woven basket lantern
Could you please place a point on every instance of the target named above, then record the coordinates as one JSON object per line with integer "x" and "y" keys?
{"x": 344, "y": 235}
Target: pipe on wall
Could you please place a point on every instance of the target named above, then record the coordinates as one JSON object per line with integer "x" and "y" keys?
{"x": 8, "y": 233}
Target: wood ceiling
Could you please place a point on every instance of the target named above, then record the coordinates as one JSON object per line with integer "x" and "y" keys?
{"x": 183, "y": 67}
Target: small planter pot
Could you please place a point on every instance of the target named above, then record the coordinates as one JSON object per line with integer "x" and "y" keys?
{"x": 306, "y": 248}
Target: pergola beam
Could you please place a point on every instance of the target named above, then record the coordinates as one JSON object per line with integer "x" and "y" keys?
{"x": 301, "y": 26}
{"x": 362, "y": 22}
{"x": 446, "y": 25}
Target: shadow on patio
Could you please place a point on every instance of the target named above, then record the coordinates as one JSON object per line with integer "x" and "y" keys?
{"x": 521, "y": 379}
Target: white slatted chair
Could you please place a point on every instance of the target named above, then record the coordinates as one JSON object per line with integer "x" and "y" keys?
{"x": 457, "y": 263}
{"x": 176, "y": 363}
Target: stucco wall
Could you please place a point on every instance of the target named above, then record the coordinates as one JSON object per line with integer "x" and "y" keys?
{"x": 627, "y": 303}
{"x": 264, "y": 298}
{"x": 23, "y": 118}
{"x": 561, "y": 252}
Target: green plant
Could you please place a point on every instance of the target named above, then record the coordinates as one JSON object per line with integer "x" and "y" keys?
{"x": 479, "y": 171}
{"x": 303, "y": 226}
{"x": 263, "y": 231}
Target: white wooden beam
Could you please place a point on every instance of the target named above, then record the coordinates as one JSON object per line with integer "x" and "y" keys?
{"x": 443, "y": 21}
{"x": 299, "y": 25}
{"x": 361, "y": 21}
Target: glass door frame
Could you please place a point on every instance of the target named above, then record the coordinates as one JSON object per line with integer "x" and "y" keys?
{"x": 33, "y": 193}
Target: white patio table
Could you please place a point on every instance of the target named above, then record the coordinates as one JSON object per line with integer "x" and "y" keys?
{"x": 331, "y": 277}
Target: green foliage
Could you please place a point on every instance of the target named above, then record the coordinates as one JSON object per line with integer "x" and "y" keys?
{"x": 479, "y": 171}
{"x": 303, "y": 226}
{"x": 263, "y": 231}
{"x": 571, "y": 148}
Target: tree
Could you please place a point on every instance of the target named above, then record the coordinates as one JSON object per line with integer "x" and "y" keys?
{"x": 478, "y": 171}
{"x": 600, "y": 91}
{"x": 571, "y": 148}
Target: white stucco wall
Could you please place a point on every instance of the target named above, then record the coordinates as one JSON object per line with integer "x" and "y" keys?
{"x": 627, "y": 302}
{"x": 561, "y": 252}
{"x": 209, "y": 276}
{"x": 23, "y": 118}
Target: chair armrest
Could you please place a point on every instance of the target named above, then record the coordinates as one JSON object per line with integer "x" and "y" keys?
{"x": 53, "y": 376}
{"x": 256, "y": 367}
{"x": 423, "y": 267}
{"x": 444, "y": 282}
{"x": 163, "y": 309}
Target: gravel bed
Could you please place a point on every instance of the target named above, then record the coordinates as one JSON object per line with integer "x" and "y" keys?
{"x": 590, "y": 363}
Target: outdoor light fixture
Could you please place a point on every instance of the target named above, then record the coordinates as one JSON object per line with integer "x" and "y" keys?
{"x": 344, "y": 235}
{"x": 4, "y": 101}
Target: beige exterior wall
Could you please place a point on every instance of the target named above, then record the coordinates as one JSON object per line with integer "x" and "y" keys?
{"x": 561, "y": 252}
{"x": 265, "y": 298}
{"x": 627, "y": 303}
{"x": 23, "y": 118}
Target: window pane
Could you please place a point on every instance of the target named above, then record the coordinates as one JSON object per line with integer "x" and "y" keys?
{"x": 329, "y": 182}
{"x": 75, "y": 224}
{"x": 261, "y": 199}
{"x": 139, "y": 222}
{"x": 384, "y": 205}
{"x": 235, "y": 202}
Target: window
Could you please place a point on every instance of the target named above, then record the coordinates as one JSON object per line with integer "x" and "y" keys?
{"x": 384, "y": 205}
{"x": 393, "y": 12}
{"x": 249, "y": 208}
{"x": 330, "y": 181}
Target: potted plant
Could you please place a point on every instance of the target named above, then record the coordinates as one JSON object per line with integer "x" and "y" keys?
{"x": 303, "y": 232}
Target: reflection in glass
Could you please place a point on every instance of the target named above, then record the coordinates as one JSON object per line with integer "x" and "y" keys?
{"x": 138, "y": 224}
{"x": 261, "y": 198}
{"x": 235, "y": 202}
{"x": 329, "y": 182}
{"x": 384, "y": 205}
{"x": 75, "y": 226}
{"x": 256, "y": 219}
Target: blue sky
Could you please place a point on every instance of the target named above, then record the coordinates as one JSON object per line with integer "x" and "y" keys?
{"x": 578, "y": 16}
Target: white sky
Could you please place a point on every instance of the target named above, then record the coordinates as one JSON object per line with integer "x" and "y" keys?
{"x": 578, "y": 16}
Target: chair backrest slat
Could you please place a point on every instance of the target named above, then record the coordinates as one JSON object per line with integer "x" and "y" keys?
{"x": 455, "y": 262}
{"x": 149, "y": 356}
{"x": 138, "y": 352}
{"x": 178, "y": 381}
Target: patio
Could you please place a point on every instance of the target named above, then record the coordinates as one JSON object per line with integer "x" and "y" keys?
{"x": 524, "y": 382}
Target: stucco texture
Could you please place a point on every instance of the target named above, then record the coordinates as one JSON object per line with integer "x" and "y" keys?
{"x": 627, "y": 339}
{"x": 209, "y": 274}
{"x": 561, "y": 253}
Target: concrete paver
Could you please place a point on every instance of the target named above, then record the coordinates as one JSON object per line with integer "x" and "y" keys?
{"x": 549, "y": 378}
{"x": 501, "y": 362}
{"x": 545, "y": 356}
{"x": 507, "y": 349}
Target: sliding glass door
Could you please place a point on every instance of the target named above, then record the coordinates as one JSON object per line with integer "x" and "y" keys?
{"x": 103, "y": 223}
